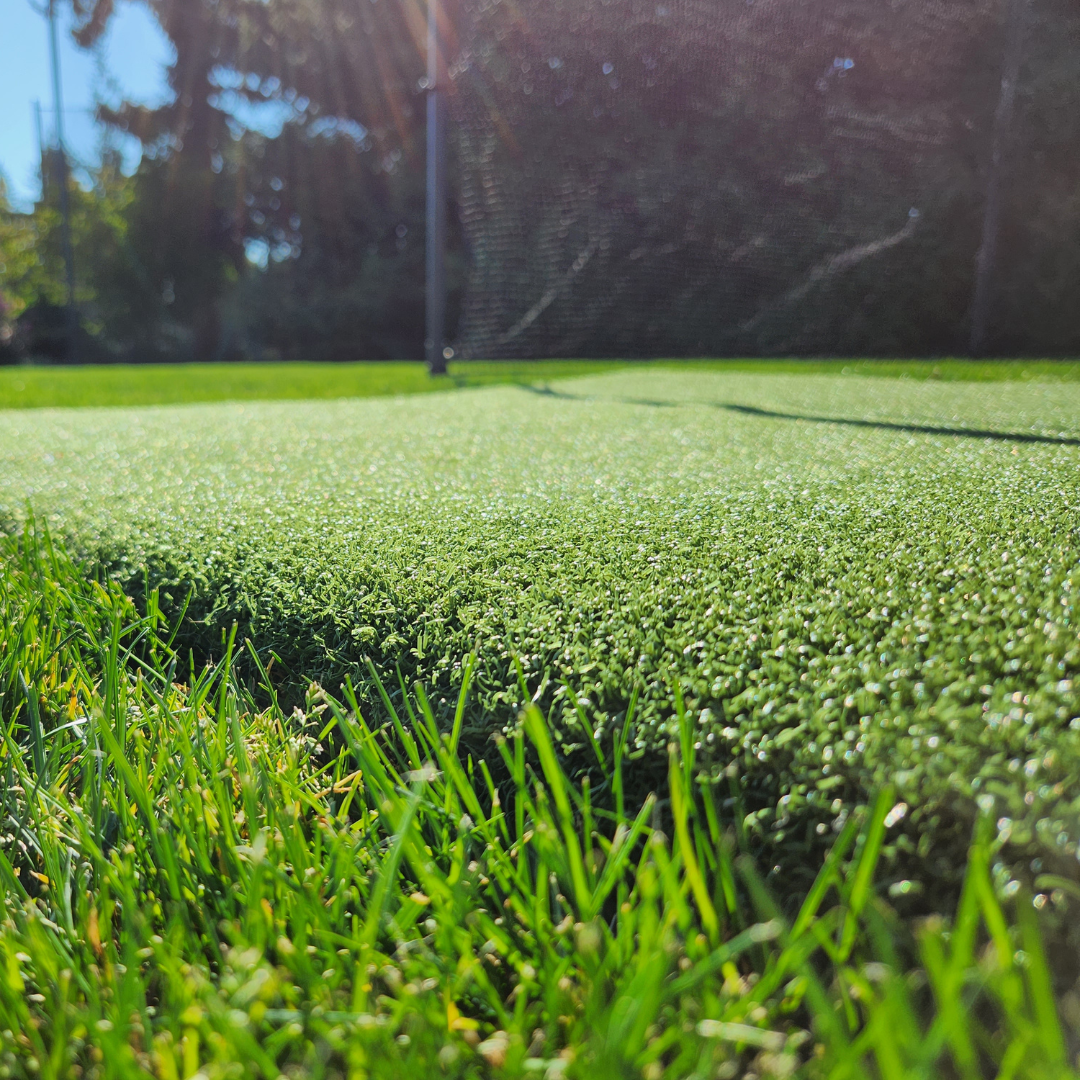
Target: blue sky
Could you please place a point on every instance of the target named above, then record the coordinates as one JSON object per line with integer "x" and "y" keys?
{"x": 129, "y": 62}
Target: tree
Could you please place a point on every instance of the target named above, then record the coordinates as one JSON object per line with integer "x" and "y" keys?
{"x": 110, "y": 288}
{"x": 633, "y": 178}
{"x": 333, "y": 202}
{"x": 17, "y": 265}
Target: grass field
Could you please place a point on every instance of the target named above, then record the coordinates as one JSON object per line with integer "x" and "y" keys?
{"x": 167, "y": 384}
{"x": 174, "y": 384}
{"x": 816, "y": 588}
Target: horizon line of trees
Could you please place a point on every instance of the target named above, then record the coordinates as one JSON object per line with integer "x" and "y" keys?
{"x": 631, "y": 178}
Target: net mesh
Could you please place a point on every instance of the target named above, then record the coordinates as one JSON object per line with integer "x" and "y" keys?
{"x": 742, "y": 176}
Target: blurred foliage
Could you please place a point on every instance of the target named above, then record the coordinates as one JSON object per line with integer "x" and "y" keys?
{"x": 114, "y": 292}
{"x": 698, "y": 178}
{"x": 20, "y": 265}
{"x": 631, "y": 179}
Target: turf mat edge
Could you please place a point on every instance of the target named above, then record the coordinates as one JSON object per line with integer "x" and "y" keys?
{"x": 806, "y": 583}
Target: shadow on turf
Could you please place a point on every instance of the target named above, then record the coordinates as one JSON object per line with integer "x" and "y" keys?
{"x": 770, "y": 414}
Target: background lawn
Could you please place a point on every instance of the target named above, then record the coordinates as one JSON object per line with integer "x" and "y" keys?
{"x": 164, "y": 384}
{"x": 847, "y": 580}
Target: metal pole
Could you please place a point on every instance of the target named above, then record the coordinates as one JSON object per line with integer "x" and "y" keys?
{"x": 65, "y": 194}
{"x": 39, "y": 128}
{"x": 435, "y": 335}
{"x": 986, "y": 259}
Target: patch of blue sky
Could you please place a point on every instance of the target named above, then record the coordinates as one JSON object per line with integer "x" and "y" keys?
{"x": 264, "y": 105}
{"x": 129, "y": 62}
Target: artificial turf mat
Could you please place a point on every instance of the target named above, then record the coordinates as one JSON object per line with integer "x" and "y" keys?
{"x": 847, "y": 580}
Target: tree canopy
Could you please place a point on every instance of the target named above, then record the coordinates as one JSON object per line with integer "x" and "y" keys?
{"x": 629, "y": 178}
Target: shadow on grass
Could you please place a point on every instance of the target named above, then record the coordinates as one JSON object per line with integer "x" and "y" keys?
{"x": 771, "y": 414}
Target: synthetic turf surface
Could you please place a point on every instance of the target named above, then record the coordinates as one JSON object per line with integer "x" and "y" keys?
{"x": 849, "y": 579}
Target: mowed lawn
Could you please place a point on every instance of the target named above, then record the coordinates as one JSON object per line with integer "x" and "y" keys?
{"x": 173, "y": 384}
{"x": 843, "y": 580}
{"x": 164, "y": 384}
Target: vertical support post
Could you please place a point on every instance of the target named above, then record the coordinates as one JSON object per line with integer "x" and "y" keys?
{"x": 40, "y": 129}
{"x": 435, "y": 331}
{"x": 986, "y": 260}
{"x": 65, "y": 194}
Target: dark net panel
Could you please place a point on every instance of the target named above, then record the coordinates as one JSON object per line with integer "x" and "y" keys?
{"x": 722, "y": 176}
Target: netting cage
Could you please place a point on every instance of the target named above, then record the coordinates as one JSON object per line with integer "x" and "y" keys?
{"x": 625, "y": 178}
{"x": 763, "y": 177}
